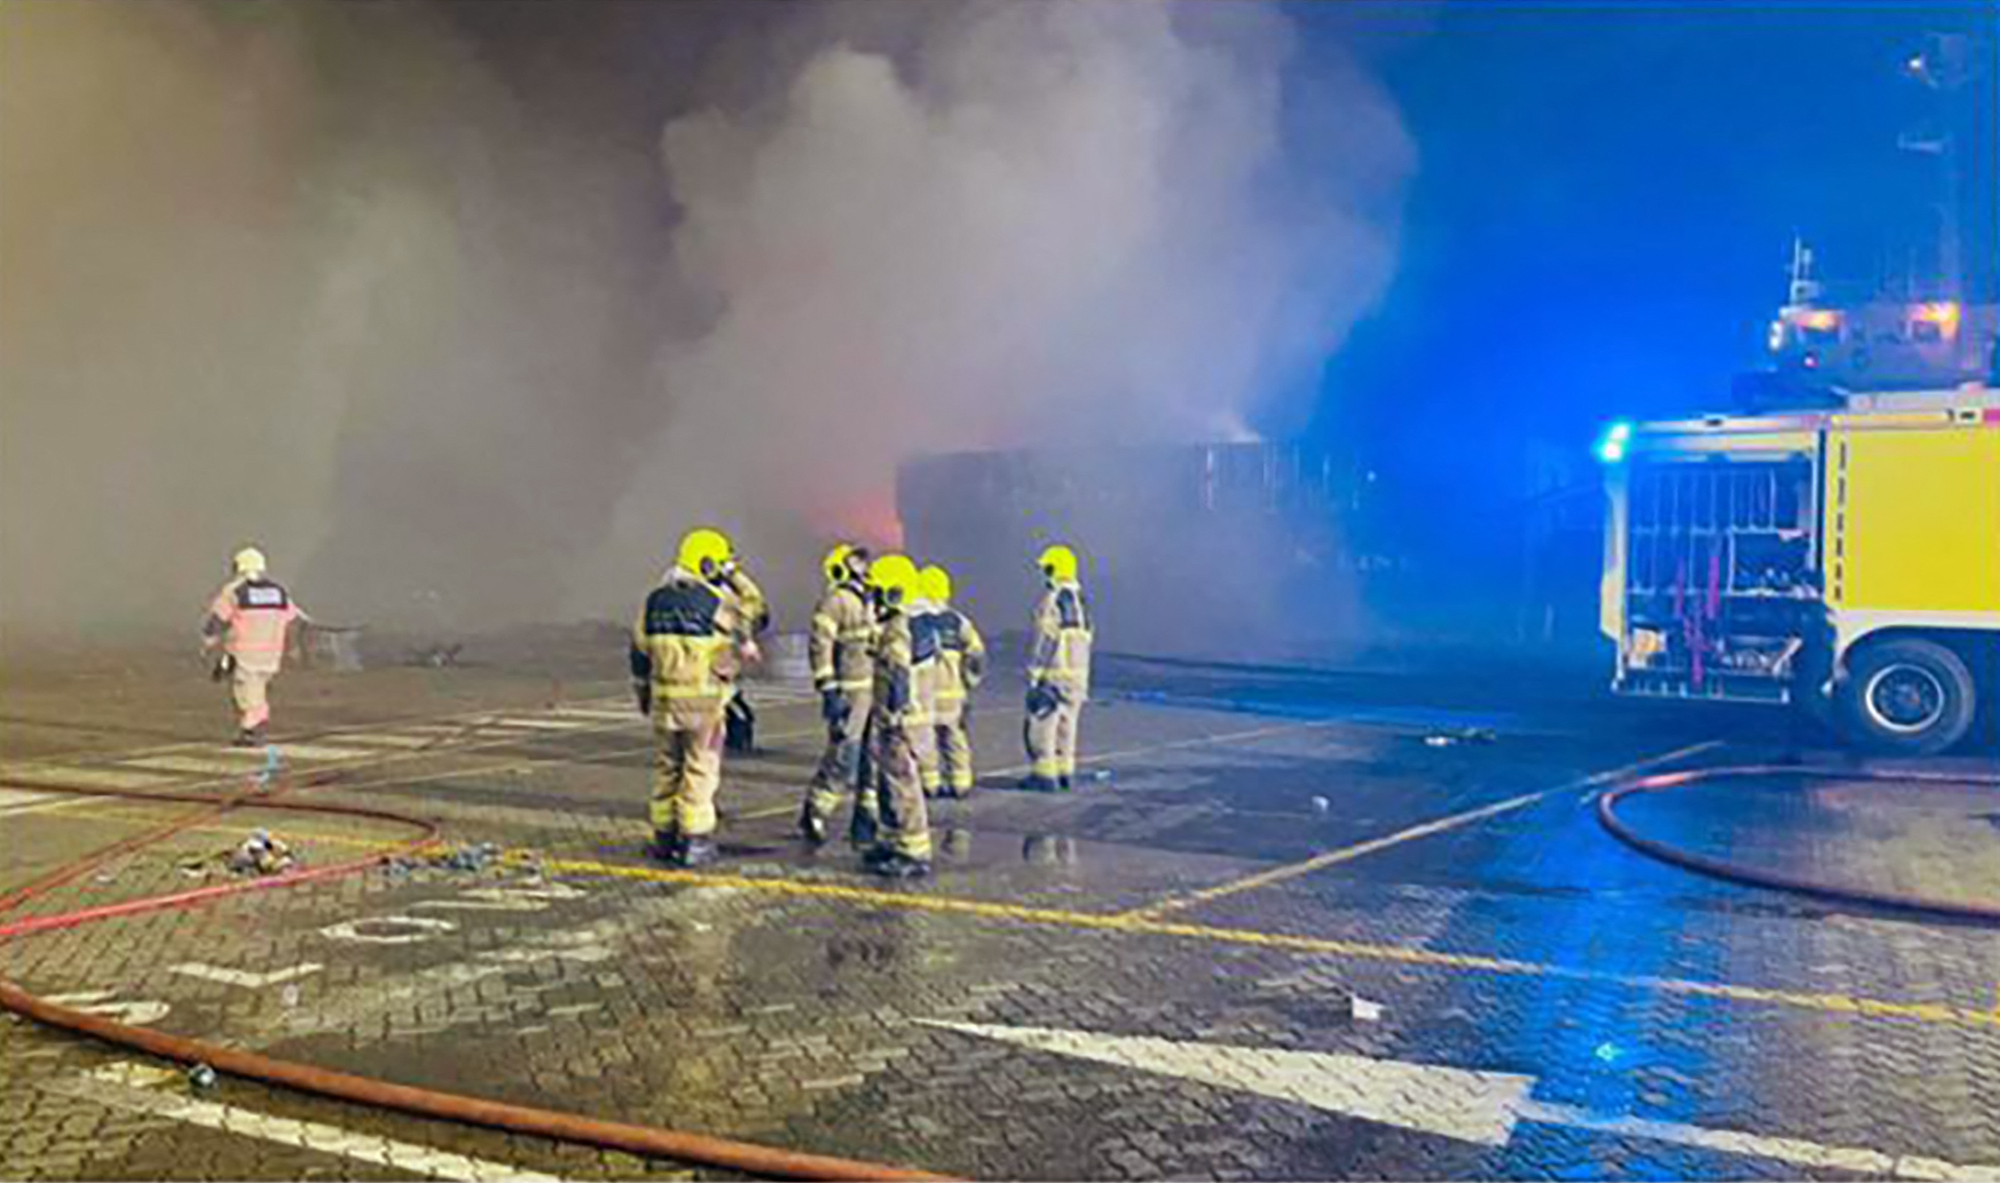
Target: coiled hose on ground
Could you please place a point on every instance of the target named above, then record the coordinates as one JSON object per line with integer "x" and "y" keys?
{"x": 650, "y": 1141}
{"x": 1700, "y": 864}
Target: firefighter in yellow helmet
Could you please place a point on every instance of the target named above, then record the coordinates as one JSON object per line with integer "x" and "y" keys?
{"x": 1058, "y": 673}
{"x": 842, "y": 652}
{"x": 248, "y": 623}
{"x": 961, "y": 664}
{"x": 903, "y": 846}
{"x": 697, "y": 629}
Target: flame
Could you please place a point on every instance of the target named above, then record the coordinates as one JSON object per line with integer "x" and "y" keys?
{"x": 869, "y": 519}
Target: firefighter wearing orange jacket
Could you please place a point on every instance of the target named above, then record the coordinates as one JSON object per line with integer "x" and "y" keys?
{"x": 248, "y": 622}
{"x": 1058, "y": 673}
{"x": 692, "y": 637}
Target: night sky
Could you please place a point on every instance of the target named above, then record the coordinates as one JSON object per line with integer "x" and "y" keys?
{"x": 1603, "y": 212}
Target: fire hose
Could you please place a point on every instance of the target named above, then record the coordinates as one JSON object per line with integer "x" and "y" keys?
{"x": 1748, "y": 876}
{"x": 650, "y": 1141}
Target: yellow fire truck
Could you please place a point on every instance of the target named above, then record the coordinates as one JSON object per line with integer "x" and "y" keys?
{"x": 1846, "y": 557}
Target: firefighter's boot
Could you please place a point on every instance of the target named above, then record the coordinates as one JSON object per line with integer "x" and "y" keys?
{"x": 812, "y": 827}
{"x": 696, "y": 852}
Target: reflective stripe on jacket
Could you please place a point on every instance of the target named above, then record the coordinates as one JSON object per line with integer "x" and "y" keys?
{"x": 251, "y": 616}
{"x": 1060, "y": 655}
{"x": 843, "y": 639}
{"x": 687, "y": 641}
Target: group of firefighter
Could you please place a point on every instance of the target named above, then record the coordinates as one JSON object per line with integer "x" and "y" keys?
{"x": 893, "y": 662}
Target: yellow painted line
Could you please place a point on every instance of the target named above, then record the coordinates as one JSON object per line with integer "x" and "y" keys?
{"x": 1928, "y": 1012}
{"x": 1360, "y": 849}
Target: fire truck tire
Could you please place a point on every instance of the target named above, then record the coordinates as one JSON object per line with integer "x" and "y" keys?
{"x": 1908, "y": 697}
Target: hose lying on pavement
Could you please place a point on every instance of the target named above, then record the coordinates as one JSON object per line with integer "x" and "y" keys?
{"x": 1607, "y": 815}
{"x": 651, "y": 1141}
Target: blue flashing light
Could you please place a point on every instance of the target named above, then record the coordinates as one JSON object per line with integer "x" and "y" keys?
{"x": 1612, "y": 447}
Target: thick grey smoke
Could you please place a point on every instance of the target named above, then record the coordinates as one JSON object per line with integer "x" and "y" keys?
{"x": 422, "y": 298}
{"x": 1009, "y": 224}
{"x": 319, "y": 276}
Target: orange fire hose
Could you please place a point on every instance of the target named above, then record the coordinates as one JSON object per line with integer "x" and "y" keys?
{"x": 651, "y": 1141}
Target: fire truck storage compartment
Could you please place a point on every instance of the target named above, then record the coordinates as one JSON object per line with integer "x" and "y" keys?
{"x": 1722, "y": 567}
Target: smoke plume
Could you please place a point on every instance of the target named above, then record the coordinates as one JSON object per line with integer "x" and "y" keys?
{"x": 1001, "y": 225}
{"x": 465, "y": 312}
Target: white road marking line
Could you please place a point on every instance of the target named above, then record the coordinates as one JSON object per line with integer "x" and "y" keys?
{"x": 403, "y": 930}
{"x": 90, "y": 778}
{"x": 628, "y": 715}
{"x": 390, "y": 739}
{"x": 16, "y": 799}
{"x": 1471, "y": 1106}
{"x": 1452, "y": 1102}
{"x": 137, "y": 1012}
{"x": 308, "y": 751}
{"x": 530, "y": 723}
{"x": 118, "y": 1086}
{"x": 249, "y": 761}
{"x": 244, "y": 978}
{"x": 1797, "y": 1151}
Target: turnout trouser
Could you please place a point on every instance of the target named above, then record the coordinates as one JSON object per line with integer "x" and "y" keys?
{"x": 947, "y": 762}
{"x": 687, "y": 770}
{"x": 250, "y": 688}
{"x": 899, "y": 789}
{"x": 842, "y": 766}
{"x": 1051, "y": 740}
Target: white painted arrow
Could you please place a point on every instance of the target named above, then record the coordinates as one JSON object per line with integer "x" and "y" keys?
{"x": 1481, "y": 1107}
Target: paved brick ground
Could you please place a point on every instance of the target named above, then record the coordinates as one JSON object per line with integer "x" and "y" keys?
{"x": 1282, "y": 866}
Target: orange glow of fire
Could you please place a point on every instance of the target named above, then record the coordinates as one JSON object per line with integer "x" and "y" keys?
{"x": 869, "y": 519}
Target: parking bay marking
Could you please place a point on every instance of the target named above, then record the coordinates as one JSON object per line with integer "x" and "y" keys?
{"x": 1458, "y": 1103}
{"x": 131, "y": 1087}
{"x": 245, "y": 978}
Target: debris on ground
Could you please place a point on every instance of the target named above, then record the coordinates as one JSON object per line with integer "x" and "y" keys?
{"x": 1321, "y": 806}
{"x": 262, "y": 853}
{"x": 201, "y": 1076}
{"x": 472, "y": 857}
{"x": 436, "y": 656}
{"x": 1445, "y": 739}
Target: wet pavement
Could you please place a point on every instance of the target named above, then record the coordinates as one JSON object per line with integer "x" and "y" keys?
{"x": 1294, "y": 925}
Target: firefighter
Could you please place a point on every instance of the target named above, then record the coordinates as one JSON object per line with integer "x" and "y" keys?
{"x": 1058, "y": 673}
{"x": 962, "y": 664}
{"x": 843, "y": 671}
{"x": 903, "y": 846}
{"x": 247, "y": 624}
{"x": 693, "y": 636}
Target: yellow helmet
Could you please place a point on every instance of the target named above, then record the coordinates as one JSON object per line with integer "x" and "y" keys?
{"x": 936, "y": 584}
{"x": 1058, "y": 562}
{"x": 844, "y": 562}
{"x": 834, "y": 566}
{"x": 704, "y": 550}
{"x": 249, "y": 562}
{"x": 895, "y": 576}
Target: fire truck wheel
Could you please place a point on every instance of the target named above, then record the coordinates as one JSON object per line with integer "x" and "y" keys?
{"x": 1908, "y": 697}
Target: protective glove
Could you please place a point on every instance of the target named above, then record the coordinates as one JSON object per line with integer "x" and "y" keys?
{"x": 225, "y": 665}
{"x": 833, "y": 704}
{"x": 643, "y": 693}
{"x": 1042, "y": 699}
